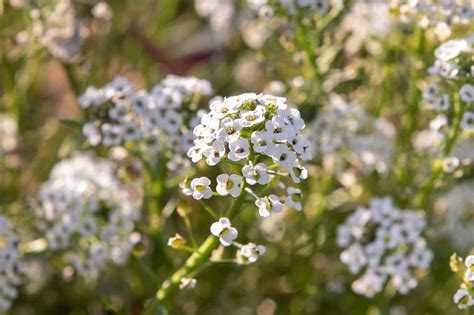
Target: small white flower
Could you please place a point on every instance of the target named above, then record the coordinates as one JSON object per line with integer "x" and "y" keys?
{"x": 469, "y": 262}
{"x": 185, "y": 186}
{"x": 176, "y": 241}
{"x": 250, "y": 118}
{"x": 229, "y": 130}
{"x": 239, "y": 149}
{"x": 119, "y": 87}
{"x": 431, "y": 93}
{"x": 292, "y": 117}
{"x": 442, "y": 103}
{"x": 294, "y": 198}
{"x": 131, "y": 132}
{"x": 268, "y": 205}
{"x": 201, "y": 189}
{"x": 229, "y": 184}
{"x": 256, "y": 174}
{"x": 91, "y": 97}
{"x": 463, "y": 299}
{"x": 262, "y": 142}
{"x": 451, "y": 49}
{"x": 467, "y": 122}
{"x": 467, "y": 93}
{"x": 250, "y": 252}
{"x": 283, "y": 155}
{"x": 214, "y": 153}
{"x": 140, "y": 102}
{"x": 354, "y": 257}
{"x": 173, "y": 121}
{"x": 119, "y": 111}
{"x": 450, "y": 164}
{"x": 224, "y": 231}
{"x": 92, "y": 133}
{"x": 102, "y": 10}
{"x": 112, "y": 134}
{"x": 278, "y": 128}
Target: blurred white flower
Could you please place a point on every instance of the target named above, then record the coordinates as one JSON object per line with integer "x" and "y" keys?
{"x": 11, "y": 265}
{"x": 249, "y": 253}
{"x": 386, "y": 241}
{"x": 87, "y": 212}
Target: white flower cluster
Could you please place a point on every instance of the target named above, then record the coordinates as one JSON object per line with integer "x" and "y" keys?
{"x": 456, "y": 208}
{"x": 344, "y": 127}
{"x": 220, "y": 15}
{"x": 464, "y": 296}
{"x": 86, "y": 211}
{"x": 59, "y": 30}
{"x": 253, "y": 129}
{"x": 438, "y": 15}
{"x": 10, "y": 264}
{"x": 260, "y": 136}
{"x": 365, "y": 20}
{"x": 453, "y": 67}
{"x": 162, "y": 118}
{"x": 8, "y": 134}
{"x": 319, "y": 7}
{"x": 387, "y": 242}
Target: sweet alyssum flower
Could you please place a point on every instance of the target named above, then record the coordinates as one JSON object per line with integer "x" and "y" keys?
{"x": 59, "y": 30}
{"x": 344, "y": 129}
{"x": 159, "y": 120}
{"x": 224, "y": 231}
{"x": 256, "y": 129}
{"x": 387, "y": 242}
{"x": 176, "y": 241}
{"x": 200, "y": 188}
{"x": 437, "y": 16}
{"x": 8, "y": 134}
{"x": 229, "y": 185}
{"x": 249, "y": 253}
{"x": 86, "y": 212}
{"x": 11, "y": 267}
{"x": 464, "y": 297}
{"x": 261, "y": 138}
{"x": 449, "y": 67}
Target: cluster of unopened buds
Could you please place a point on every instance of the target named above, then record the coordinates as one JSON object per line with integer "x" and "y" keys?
{"x": 147, "y": 121}
{"x": 86, "y": 212}
{"x": 386, "y": 241}
{"x": 260, "y": 139}
{"x": 464, "y": 296}
{"x": 10, "y": 264}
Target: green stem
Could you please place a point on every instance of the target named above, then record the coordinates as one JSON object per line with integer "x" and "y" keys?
{"x": 197, "y": 259}
{"x": 426, "y": 191}
{"x": 189, "y": 229}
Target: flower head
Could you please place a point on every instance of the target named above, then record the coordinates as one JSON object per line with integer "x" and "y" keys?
{"x": 224, "y": 231}
{"x": 387, "y": 242}
{"x": 249, "y": 253}
{"x": 89, "y": 213}
{"x": 162, "y": 119}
